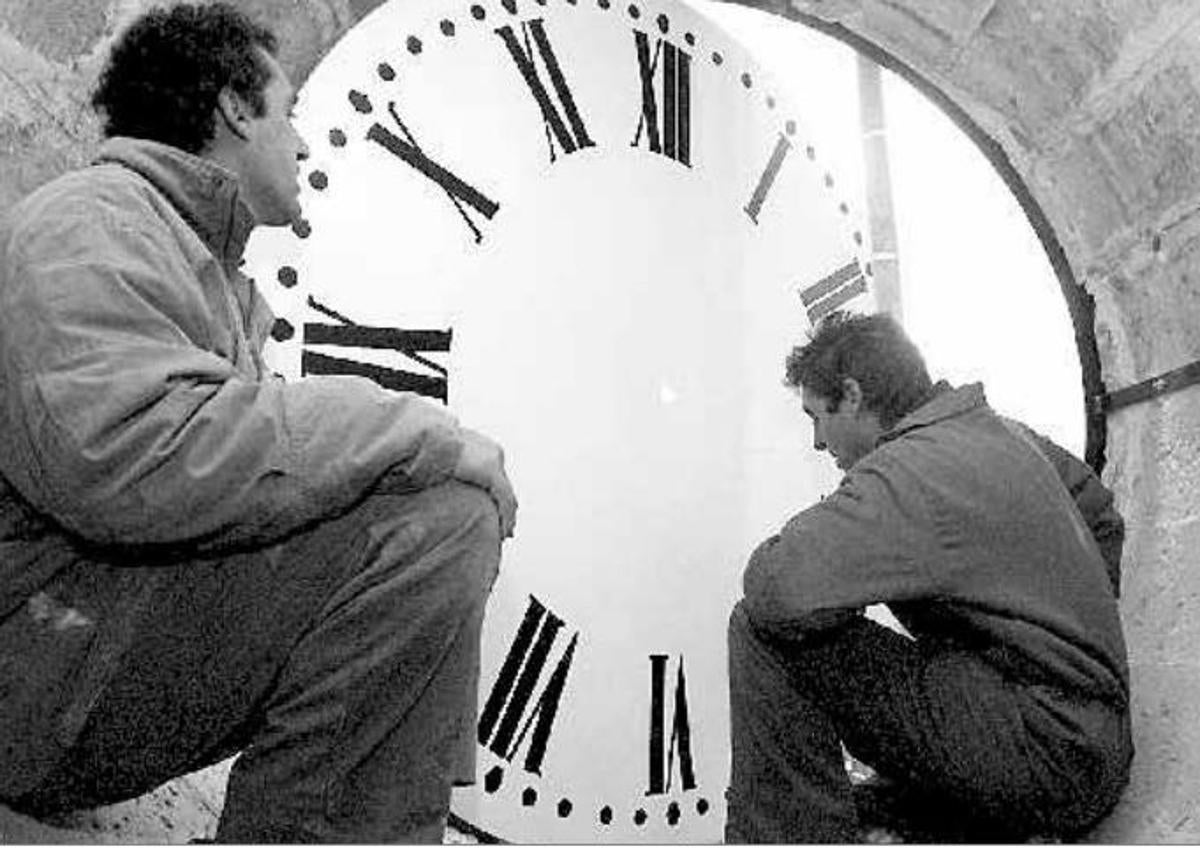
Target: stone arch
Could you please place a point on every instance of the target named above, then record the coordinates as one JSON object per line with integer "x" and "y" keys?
{"x": 1088, "y": 109}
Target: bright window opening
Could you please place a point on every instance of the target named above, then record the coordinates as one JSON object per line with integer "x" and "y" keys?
{"x": 978, "y": 292}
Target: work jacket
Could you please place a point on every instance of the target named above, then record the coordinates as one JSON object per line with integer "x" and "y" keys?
{"x": 960, "y": 523}
{"x": 141, "y": 424}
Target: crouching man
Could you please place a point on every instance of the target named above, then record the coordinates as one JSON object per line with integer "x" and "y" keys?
{"x": 198, "y": 558}
{"x": 1005, "y": 715}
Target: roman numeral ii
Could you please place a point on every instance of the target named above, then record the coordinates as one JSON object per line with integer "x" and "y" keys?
{"x": 833, "y": 290}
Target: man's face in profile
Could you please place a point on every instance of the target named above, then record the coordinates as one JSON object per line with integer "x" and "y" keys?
{"x": 846, "y": 430}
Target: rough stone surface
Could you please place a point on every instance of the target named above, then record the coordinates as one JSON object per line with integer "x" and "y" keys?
{"x": 59, "y": 29}
{"x": 175, "y": 813}
{"x": 1095, "y": 102}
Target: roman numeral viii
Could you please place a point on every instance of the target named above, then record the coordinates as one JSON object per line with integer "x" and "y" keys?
{"x": 407, "y": 342}
{"x": 565, "y": 127}
{"x": 513, "y": 691}
{"x": 666, "y": 124}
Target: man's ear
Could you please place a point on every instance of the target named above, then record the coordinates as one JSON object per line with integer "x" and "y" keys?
{"x": 852, "y": 396}
{"x": 234, "y": 113}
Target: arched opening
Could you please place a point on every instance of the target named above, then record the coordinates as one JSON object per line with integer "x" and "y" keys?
{"x": 1090, "y": 422}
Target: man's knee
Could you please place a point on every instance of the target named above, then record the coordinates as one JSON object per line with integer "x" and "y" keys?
{"x": 469, "y": 514}
{"x": 461, "y": 527}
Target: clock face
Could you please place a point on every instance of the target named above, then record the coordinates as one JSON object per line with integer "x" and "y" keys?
{"x": 594, "y": 231}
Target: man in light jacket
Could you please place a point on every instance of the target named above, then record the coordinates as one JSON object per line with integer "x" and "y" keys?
{"x": 198, "y": 558}
{"x": 1004, "y": 713}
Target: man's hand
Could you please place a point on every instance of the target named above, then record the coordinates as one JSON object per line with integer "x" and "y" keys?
{"x": 482, "y": 465}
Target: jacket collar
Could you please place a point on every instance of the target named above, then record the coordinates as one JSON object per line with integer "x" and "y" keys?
{"x": 944, "y": 402}
{"x": 206, "y": 195}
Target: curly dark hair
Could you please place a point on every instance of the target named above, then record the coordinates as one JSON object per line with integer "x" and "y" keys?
{"x": 872, "y": 349}
{"x": 166, "y": 70}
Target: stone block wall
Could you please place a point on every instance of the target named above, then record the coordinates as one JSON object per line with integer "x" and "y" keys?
{"x": 1094, "y": 102}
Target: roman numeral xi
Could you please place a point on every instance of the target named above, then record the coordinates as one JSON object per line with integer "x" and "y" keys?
{"x": 562, "y": 121}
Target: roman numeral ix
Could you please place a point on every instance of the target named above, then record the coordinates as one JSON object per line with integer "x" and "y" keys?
{"x": 407, "y": 342}
{"x": 666, "y": 126}
{"x": 565, "y": 127}
{"x": 513, "y": 691}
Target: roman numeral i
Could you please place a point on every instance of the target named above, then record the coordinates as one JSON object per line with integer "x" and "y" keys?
{"x": 406, "y": 148}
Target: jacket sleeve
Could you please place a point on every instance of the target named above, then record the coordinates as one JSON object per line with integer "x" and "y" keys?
{"x": 1092, "y": 498}
{"x": 124, "y": 423}
{"x": 860, "y": 545}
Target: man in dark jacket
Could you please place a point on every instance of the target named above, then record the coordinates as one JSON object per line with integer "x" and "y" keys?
{"x": 197, "y": 557}
{"x": 1004, "y": 713}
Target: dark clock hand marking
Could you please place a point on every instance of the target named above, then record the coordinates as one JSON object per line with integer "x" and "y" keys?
{"x": 576, "y": 136}
{"x": 456, "y": 189}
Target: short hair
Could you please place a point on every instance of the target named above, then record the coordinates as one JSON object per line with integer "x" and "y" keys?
{"x": 873, "y": 350}
{"x": 166, "y": 70}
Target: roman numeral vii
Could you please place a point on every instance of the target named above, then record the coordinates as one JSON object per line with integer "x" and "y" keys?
{"x": 508, "y": 703}
{"x": 662, "y": 752}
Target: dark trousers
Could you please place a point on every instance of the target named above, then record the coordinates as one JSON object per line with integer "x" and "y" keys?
{"x": 992, "y": 760}
{"x": 343, "y": 665}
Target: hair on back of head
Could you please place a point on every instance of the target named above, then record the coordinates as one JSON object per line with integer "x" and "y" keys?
{"x": 873, "y": 350}
{"x": 166, "y": 70}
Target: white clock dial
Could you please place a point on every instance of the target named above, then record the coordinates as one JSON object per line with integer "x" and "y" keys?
{"x": 597, "y": 233}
